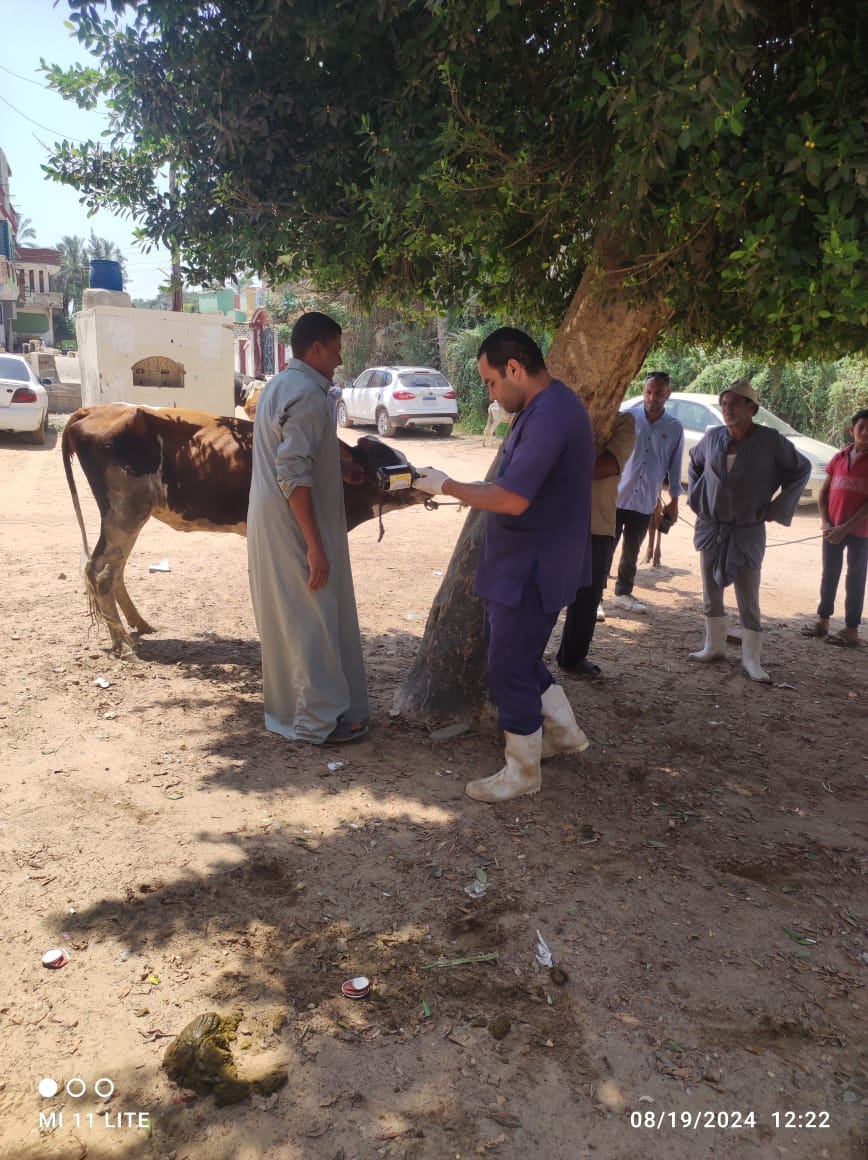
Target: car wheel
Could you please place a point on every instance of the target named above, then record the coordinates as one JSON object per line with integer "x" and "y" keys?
{"x": 444, "y": 430}
{"x": 343, "y": 418}
{"x": 45, "y": 421}
{"x": 38, "y": 436}
{"x": 384, "y": 423}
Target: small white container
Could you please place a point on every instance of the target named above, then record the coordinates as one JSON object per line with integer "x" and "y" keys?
{"x": 55, "y": 958}
{"x": 356, "y": 988}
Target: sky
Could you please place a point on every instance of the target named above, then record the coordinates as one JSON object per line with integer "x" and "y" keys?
{"x": 33, "y": 118}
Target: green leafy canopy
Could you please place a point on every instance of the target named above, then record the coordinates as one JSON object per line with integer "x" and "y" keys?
{"x": 438, "y": 148}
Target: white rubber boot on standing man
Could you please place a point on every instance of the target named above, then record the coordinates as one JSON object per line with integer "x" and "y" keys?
{"x": 715, "y": 639}
{"x": 561, "y": 734}
{"x": 520, "y": 775}
{"x": 751, "y": 652}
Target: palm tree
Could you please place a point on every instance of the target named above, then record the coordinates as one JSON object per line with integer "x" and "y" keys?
{"x": 75, "y": 256}
{"x": 74, "y": 272}
{"x": 106, "y": 250}
{"x": 24, "y": 232}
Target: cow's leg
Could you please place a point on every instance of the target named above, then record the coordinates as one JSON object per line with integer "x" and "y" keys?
{"x": 652, "y": 552}
{"x": 134, "y": 618}
{"x": 101, "y": 577}
{"x": 657, "y": 544}
{"x": 653, "y": 531}
{"x": 129, "y": 506}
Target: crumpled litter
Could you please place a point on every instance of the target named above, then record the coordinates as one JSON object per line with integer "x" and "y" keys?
{"x": 542, "y": 954}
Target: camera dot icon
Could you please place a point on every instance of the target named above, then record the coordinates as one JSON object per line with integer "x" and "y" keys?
{"x": 48, "y": 1087}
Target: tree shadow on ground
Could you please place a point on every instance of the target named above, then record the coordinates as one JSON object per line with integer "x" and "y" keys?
{"x": 663, "y": 817}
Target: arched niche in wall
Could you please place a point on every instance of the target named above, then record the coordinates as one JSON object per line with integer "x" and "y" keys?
{"x": 158, "y": 371}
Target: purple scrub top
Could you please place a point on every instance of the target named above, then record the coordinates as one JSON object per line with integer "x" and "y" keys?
{"x": 549, "y": 459}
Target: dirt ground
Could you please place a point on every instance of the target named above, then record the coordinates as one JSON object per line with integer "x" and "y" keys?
{"x": 699, "y": 874}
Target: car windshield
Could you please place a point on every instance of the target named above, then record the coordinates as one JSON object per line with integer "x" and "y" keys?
{"x": 422, "y": 380}
{"x": 690, "y": 418}
{"x": 769, "y": 420}
{"x": 11, "y": 368}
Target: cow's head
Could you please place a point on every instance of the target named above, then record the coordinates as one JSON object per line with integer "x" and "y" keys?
{"x": 365, "y": 500}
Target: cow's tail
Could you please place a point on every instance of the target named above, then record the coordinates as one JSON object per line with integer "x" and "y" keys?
{"x": 68, "y": 451}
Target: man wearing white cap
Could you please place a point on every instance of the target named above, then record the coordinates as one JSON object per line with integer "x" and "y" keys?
{"x": 734, "y": 473}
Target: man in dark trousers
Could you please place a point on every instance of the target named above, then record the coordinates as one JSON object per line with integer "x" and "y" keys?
{"x": 582, "y": 614}
{"x": 535, "y": 555}
{"x": 657, "y": 454}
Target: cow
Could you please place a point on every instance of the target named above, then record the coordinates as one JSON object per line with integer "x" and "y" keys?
{"x": 189, "y": 470}
{"x": 252, "y": 399}
{"x": 658, "y": 527}
{"x": 496, "y": 416}
{"x": 244, "y": 386}
{"x": 253, "y": 389}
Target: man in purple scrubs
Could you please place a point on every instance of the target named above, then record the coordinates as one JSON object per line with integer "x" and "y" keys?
{"x": 535, "y": 555}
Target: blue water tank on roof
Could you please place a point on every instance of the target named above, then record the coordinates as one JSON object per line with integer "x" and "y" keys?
{"x": 105, "y": 275}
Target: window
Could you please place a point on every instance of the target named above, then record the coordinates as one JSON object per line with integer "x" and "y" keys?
{"x": 423, "y": 381}
{"x": 695, "y": 417}
{"x": 158, "y": 371}
{"x": 15, "y": 369}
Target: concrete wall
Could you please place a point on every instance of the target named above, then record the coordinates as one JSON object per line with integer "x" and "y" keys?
{"x": 64, "y": 391}
{"x": 113, "y": 339}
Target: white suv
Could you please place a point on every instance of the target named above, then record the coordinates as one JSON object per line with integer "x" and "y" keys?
{"x": 394, "y": 397}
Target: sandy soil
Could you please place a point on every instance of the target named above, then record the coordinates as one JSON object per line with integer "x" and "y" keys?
{"x": 699, "y": 874}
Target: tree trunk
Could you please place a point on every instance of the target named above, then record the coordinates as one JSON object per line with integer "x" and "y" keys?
{"x": 447, "y": 677}
{"x": 176, "y": 281}
{"x": 597, "y": 351}
{"x": 441, "y": 342}
{"x": 602, "y": 342}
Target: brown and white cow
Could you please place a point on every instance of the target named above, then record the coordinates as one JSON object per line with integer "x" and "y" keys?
{"x": 189, "y": 470}
{"x": 496, "y": 415}
{"x": 250, "y": 396}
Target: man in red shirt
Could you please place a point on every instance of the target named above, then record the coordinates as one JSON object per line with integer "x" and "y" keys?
{"x": 843, "y": 504}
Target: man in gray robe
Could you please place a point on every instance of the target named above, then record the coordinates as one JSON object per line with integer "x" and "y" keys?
{"x": 298, "y": 555}
{"x": 734, "y": 473}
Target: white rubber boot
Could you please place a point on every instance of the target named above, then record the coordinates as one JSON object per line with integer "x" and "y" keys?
{"x": 560, "y": 732}
{"x": 751, "y": 651}
{"x": 520, "y": 775}
{"x": 715, "y": 639}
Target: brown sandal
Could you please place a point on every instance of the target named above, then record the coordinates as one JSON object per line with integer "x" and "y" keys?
{"x": 841, "y": 641}
{"x": 344, "y": 732}
{"x": 814, "y": 631}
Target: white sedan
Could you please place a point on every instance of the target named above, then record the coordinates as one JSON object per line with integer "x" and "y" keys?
{"x": 23, "y": 399}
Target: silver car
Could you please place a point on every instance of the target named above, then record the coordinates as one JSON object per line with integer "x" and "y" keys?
{"x": 23, "y": 399}
{"x": 697, "y": 412}
{"x": 394, "y": 397}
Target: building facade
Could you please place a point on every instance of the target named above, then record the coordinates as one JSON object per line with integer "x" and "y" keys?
{"x": 37, "y": 303}
{"x": 27, "y": 302}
